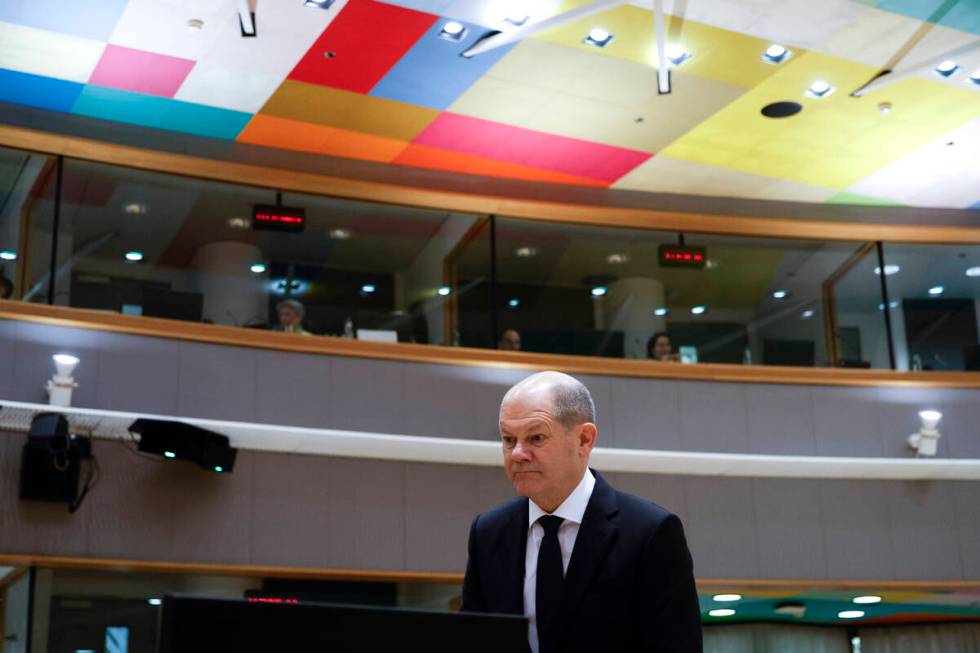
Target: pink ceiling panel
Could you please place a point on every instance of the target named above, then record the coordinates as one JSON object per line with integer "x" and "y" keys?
{"x": 139, "y": 71}
{"x": 530, "y": 148}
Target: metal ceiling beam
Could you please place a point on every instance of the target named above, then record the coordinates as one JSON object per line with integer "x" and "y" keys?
{"x": 500, "y": 39}
{"x": 890, "y": 77}
{"x": 660, "y": 26}
{"x": 246, "y": 17}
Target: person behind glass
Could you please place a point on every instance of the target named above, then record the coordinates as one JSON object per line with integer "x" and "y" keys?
{"x": 510, "y": 340}
{"x": 659, "y": 348}
{"x": 291, "y": 314}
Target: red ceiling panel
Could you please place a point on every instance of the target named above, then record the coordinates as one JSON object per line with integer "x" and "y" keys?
{"x": 365, "y": 40}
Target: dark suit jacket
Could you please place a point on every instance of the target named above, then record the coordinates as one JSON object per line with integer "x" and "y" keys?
{"x": 629, "y": 584}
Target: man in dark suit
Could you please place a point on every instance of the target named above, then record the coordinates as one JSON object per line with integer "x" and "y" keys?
{"x": 593, "y": 569}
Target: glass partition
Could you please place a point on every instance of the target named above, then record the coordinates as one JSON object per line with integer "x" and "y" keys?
{"x": 143, "y": 243}
{"x": 604, "y": 291}
{"x": 157, "y": 245}
{"x": 27, "y": 192}
{"x": 933, "y": 293}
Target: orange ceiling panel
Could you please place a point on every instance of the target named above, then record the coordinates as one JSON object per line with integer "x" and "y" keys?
{"x": 307, "y": 137}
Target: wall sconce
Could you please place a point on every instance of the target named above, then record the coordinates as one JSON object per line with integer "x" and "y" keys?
{"x": 926, "y": 440}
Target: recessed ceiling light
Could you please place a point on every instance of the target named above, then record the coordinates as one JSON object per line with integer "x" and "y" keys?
{"x": 195, "y": 25}
{"x": 368, "y": 288}
{"x": 618, "y": 259}
{"x": 676, "y": 54}
{"x": 973, "y": 272}
{"x": 850, "y": 614}
{"x": 340, "y": 234}
{"x": 7, "y": 255}
{"x": 776, "y": 53}
{"x": 936, "y": 290}
{"x": 444, "y": 290}
{"x": 135, "y": 208}
{"x": 238, "y": 223}
{"x": 517, "y": 18}
{"x": 866, "y": 600}
{"x": 155, "y": 601}
{"x": 169, "y": 454}
{"x": 947, "y": 68}
{"x": 881, "y": 306}
{"x": 660, "y": 312}
{"x": 219, "y": 468}
{"x": 711, "y": 264}
{"x": 885, "y": 107}
{"x": 975, "y": 77}
{"x": 598, "y": 37}
{"x": 526, "y": 251}
{"x": 698, "y": 310}
{"x": 452, "y": 31}
{"x": 819, "y": 89}
{"x": 257, "y": 268}
{"x": 513, "y": 302}
{"x": 889, "y": 270}
{"x": 780, "y": 294}
{"x": 727, "y": 598}
{"x": 806, "y": 315}
{"x": 721, "y": 612}
{"x": 134, "y": 256}
{"x": 319, "y": 4}
{"x": 599, "y": 291}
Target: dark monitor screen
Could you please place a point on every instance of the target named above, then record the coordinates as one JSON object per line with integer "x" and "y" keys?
{"x": 203, "y": 625}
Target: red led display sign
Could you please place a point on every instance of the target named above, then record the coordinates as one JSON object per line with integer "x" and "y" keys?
{"x": 677, "y": 256}
{"x": 278, "y": 218}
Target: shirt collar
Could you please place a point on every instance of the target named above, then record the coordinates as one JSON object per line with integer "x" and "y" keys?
{"x": 573, "y": 507}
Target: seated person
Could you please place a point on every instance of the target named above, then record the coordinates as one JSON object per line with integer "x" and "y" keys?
{"x": 291, "y": 314}
{"x": 510, "y": 340}
{"x": 659, "y": 348}
{"x": 6, "y": 287}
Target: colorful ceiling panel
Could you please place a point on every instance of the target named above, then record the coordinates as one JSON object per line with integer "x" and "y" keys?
{"x": 359, "y": 48}
{"x": 383, "y": 81}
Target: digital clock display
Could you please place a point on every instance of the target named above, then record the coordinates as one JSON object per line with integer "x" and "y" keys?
{"x": 278, "y": 218}
{"x": 678, "y": 256}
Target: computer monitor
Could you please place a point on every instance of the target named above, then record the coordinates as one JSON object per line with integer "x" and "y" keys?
{"x": 192, "y": 624}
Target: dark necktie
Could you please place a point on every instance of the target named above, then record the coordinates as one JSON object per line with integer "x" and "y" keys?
{"x": 550, "y": 574}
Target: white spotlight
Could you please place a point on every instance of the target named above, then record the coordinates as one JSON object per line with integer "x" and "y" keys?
{"x": 850, "y": 614}
{"x": 926, "y": 440}
{"x": 936, "y": 290}
{"x": 727, "y": 598}
{"x": 866, "y": 600}
{"x": 721, "y": 612}
{"x": 444, "y": 290}
{"x": 60, "y": 386}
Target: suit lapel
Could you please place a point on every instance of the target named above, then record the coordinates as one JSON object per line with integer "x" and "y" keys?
{"x": 510, "y": 552}
{"x": 596, "y": 534}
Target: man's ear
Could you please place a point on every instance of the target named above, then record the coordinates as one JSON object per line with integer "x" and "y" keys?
{"x": 586, "y": 437}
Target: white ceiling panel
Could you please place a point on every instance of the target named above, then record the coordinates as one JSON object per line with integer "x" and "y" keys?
{"x": 162, "y": 26}
{"x": 242, "y": 73}
{"x": 489, "y": 13}
{"x": 51, "y": 54}
{"x": 936, "y": 175}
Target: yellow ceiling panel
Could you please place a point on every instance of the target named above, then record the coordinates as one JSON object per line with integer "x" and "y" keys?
{"x": 665, "y": 174}
{"x": 717, "y": 53}
{"x": 350, "y": 111}
{"x": 555, "y": 89}
{"x": 836, "y": 140}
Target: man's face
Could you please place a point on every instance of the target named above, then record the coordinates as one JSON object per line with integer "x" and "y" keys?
{"x": 287, "y": 316}
{"x": 510, "y": 341}
{"x": 543, "y": 459}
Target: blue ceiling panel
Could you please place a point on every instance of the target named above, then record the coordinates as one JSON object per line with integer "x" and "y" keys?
{"x": 92, "y": 20}
{"x": 37, "y": 91}
{"x": 963, "y": 15}
{"x": 433, "y": 73}
{"x": 161, "y": 113}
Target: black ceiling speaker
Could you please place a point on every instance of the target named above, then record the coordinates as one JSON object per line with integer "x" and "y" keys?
{"x": 781, "y": 109}
{"x": 180, "y": 441}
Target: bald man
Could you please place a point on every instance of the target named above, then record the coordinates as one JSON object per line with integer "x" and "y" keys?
{"x": 593, "y": 569}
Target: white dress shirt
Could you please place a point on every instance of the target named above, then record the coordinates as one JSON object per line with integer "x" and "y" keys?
{"x": 572, "y": 509}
